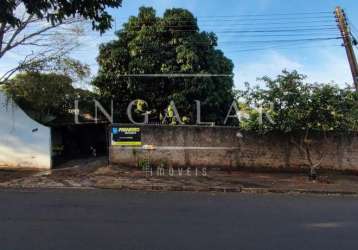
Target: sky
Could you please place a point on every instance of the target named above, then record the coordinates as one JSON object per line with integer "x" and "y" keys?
{"x": 321, "y": 61}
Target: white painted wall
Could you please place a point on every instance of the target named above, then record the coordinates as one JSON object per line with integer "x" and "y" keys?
{"x": 20, "y": 145}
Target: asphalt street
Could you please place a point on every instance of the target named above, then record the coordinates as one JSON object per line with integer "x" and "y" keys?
{"x": 105, "y": 220}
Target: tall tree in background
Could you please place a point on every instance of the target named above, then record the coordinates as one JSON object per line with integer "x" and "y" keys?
{"x": 147, "y": 56}
{"x": 47, "y": 30}
{"x": 47, "y": 98}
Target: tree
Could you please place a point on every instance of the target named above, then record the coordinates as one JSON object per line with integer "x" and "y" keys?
{"x": 46, "y": 97}
{"x": 57, "y": 11}
{"x": 48, "y": 30}
{"x": 304, "y": 111}
{"x": 152, "y": 58}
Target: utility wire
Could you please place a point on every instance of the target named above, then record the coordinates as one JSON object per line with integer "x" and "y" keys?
{"x": 262, "y": 43}
{"x": 280, "y": 47}
{"x": 241, "y": 31}
{"x": 236, "y": 23}
{"x": 202, "y": 27}
{"x": 247, "y": 17}
{"x": 294, "y": 35}
{"x": 246, "y": 20}
{"x": 292, "y": 40}
{"x": 281, "y": 19}
{"x": 259, "y": 46}
{"x": 299, "y": 28}
{"x": 276, "y": 14}
{"x": 260, "y": 15}
{"x": 238, "y": 41}
{"x": 258, "y": 21}
{"x": 269, "y": 31}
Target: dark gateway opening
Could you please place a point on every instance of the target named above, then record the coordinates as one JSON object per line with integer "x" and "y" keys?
{"x": 70, "y": 142}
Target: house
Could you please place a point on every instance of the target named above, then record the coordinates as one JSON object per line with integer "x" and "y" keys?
{"x": 27, "y": 144}
{"x": 24, "y": 143}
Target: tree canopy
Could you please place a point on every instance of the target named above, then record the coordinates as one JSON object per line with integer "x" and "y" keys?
{"x": 164, "y": 59}
{"x": 55, "y": 11}
{"x": 46, "y": 97}
{"x": 290, "y": 105}
{"x": 47, "y": 31}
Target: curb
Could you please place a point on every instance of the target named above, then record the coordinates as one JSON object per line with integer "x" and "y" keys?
{"x": 297, "y": 191}
{"x": 180, "y": 188}
{"x": 214, "y": 189}
{"x": 218, "y": 189}
{"x": 162, "y": 188}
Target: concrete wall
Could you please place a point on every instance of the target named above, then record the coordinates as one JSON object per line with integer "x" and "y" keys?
{"x": 24, "y": 143}
{"x": 182, "y": 146}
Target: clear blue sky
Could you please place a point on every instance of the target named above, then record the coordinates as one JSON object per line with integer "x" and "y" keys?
{"x": 321, "y": 61}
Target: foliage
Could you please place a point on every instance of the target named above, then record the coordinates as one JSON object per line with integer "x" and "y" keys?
{"x": 47, "y": 32}
{"x": 45, "y": 97}
{"x": 294, "y": 105}
{"x": 55, "y": 63}
{"x": 56, "y": 11}
{"x": 171, "y": 45}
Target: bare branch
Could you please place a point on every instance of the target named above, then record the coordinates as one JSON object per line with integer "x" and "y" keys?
{"x": 11, "y": 72}
{"x": 7, "y": 75}
{"x": 13, "y": 44}
{"x": 49, "y": 42}
{"x": 2, "y": 33}
{"x": 20, "y": 42}
{"x": 16, "y": 33}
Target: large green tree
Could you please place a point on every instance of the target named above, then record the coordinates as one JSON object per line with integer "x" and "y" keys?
{"x": 155, "y": 59}
{"x": 47, "y": 97}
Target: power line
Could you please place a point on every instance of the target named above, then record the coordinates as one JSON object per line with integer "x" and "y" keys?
{"x": 291, "y": 40}
{"x": 277, "y": 14}
{"x": 241, "y": 31}
{"x": 304, "y": 35}
{"x": 260, "y": 32}
{"x": 248, "y": 17}
{"x": 237, "y": 41}
{"x": 281, "y": 47}
{"x": 260, "y": 43}
{"x": 245, "y": 23}
{"x": 266, "y": 45}
{"x": 260, "y": 19}
{"x": 333, "y": 25}
{"x": 250, "y": 43}
{"x": 353, "y": 26}
{"x": 271, "y": 31}
{"x": 263, "y": 21}
{"x": 295, "y": 29}
{"x": 259, "y": 15}
{"x": 246, "y": 20}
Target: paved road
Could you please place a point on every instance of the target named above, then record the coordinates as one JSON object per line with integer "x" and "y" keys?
{"x": 105, "y": 220}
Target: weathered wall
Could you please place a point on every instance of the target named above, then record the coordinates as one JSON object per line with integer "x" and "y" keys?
{"x": 223, "y": 147}
{"x": 24, "y": 143}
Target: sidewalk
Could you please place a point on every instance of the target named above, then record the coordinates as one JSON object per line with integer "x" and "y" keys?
{"x": 96, "y": 174}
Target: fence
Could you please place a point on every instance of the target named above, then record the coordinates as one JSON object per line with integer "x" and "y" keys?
{"x": 227, "y": 147}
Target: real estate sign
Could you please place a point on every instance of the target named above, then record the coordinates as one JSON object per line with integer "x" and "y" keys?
{"x": 126, "y": 136}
